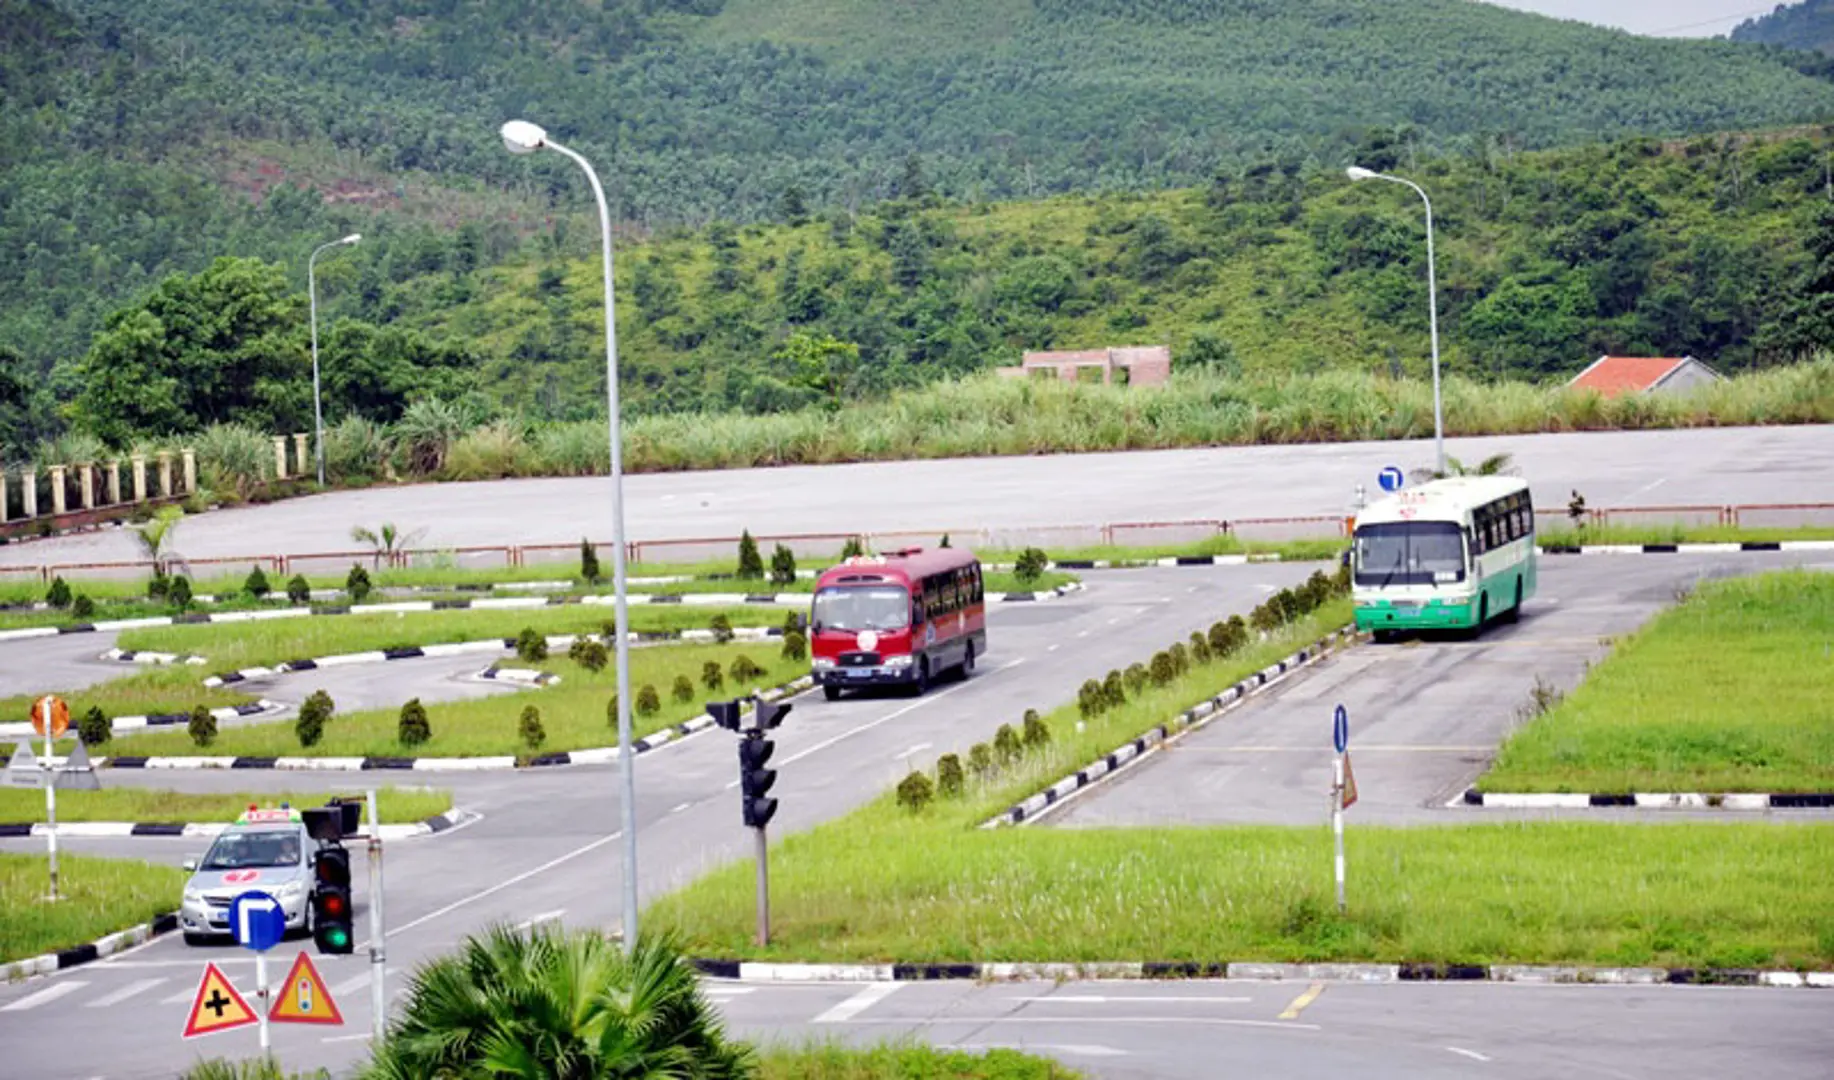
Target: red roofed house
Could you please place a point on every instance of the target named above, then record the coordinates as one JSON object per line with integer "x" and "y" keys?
{"x": 1614, "y": 375}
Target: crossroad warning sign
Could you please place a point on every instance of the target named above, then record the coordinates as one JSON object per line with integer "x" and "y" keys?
{"x": 217, "y": 1006}
{"x": 1349, "y": 783}
{"x": 302, "y": 997}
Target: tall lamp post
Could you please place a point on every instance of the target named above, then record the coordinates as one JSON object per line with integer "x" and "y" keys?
{"x": 318, "y": 412}
{"x": 1357, "y": 172}
{"x": 522, "y": 137}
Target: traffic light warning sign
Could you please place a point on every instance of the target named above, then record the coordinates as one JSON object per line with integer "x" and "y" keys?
{"x": 303, "y": 998}
{"x": 217, "y": 1006}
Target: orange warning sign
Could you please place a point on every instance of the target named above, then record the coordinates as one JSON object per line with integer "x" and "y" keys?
{"x": 217, "y": 1006}
{"x": 1349, "y": 782}
{"x": 302, "y": 997}
{"x": 52, "y": 711}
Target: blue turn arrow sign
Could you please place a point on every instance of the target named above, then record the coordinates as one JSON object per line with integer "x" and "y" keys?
{"x": 257, "y": 920}
{"x": 1391, "y": 478}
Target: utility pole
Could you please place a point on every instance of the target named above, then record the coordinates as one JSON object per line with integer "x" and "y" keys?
{"x": 378, "y": 941}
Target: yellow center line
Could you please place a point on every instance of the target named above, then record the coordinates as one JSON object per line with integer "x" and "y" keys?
{"x": 1299, "y": 1003}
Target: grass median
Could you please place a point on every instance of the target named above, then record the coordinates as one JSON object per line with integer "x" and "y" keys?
{"x": 904, "y": 1061}
{"x": 1729, "y": 691}
{"x": 574, "y": 715}
{"x": 99, "y": 897}
{"x": 139, "y": 692}
{"x": 396, "y": 805}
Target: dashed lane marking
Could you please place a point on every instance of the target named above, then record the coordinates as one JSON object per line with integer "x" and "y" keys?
{"x": 869, "y": 995}
{"x": 1472, "y": 1054}
{"x": 546, "y": 916}
{"x": 1299, "y": 1003}
{"x": 918, "y": 749}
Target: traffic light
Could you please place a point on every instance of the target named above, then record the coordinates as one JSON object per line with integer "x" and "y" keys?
{"x": 770, "y": 714}
{"x": 724, "y": 713}
{"x": 331, "y": 915}
{"x": 755, "y": 780}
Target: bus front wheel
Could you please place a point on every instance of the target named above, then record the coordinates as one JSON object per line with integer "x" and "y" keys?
{"x": 922, "y": 683}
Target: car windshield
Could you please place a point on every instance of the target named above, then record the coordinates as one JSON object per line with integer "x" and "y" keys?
{"x": 239, "y": 850}
{"x": 1409, "y": 553}
{"x": 857, "y": 607}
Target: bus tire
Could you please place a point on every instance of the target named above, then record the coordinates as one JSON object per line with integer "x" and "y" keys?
{"x": 922, "y": 682}
{"x": 1483, "y": 612}
{"x": 968, "y": 661}
{"x": 832, "y": 693}
{"x": 1382, "y": 637}
{"x": 1515, "y": 611}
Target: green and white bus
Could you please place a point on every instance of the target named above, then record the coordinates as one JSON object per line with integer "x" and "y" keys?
{"x": 1450, "y": 554}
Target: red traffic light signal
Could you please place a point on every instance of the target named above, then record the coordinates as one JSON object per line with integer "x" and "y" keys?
{"x": 331, "y": 913}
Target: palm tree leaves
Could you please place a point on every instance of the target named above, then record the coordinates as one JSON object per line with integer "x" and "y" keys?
{"x": 386, "y": 542}
{"x": 155, "y": 538}
{"x": 546, "y": 1003}
{"x": 1495, "y": 465}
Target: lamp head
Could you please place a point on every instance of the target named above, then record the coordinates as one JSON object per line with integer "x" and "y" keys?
{"x": 352, "y": 238}
{"x": 522, "y": 137}
{"x": 1357, "y": 172}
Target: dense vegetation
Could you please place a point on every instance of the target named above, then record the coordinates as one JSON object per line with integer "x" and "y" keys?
{"x": 1807, "y": 25}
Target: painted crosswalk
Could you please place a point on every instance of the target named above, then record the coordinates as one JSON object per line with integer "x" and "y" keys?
{"x": 133, "y": 989}
{"x": 49, "y": 994}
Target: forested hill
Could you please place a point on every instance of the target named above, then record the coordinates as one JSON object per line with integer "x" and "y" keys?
{"x": 1807, "y": 25}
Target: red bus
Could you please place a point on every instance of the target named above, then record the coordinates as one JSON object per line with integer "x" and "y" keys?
{"x": 898, "y": 619}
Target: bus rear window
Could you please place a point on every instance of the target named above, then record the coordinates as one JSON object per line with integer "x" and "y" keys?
{"x": 1409, "y": 553}
{"x": 868, "y": 607}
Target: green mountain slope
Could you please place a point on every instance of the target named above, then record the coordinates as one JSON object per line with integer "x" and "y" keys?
{"x": 1807, "y": 25}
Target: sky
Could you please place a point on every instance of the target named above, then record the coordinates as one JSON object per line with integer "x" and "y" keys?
{"x": 1666, "y": 18}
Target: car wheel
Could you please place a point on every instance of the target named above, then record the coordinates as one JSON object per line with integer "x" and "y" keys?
{"x": 832, "y": 693}
{"x": 195, "y": 939}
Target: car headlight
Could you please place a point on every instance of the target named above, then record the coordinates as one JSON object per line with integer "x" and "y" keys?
{"x": 194, "y": 896}
{"x": 897, "y": 661}
{"x": 292, "y": 888}
{"x": 822, "y": 663}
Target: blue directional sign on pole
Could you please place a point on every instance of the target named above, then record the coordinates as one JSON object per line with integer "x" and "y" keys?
{"x": 1391, "y": 478}
{"x": 1340, "y": 729}
{"x": 257, "y": 920}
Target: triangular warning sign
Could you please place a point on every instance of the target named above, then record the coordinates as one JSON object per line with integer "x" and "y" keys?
{"x": 303, "y": 998}
{"x": 1349, "y": 782}
{"x": 217, "y": 1006}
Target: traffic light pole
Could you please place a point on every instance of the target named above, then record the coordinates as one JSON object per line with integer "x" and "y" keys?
{"x": 764, "y": 889}
{"x": 378, "y": 943}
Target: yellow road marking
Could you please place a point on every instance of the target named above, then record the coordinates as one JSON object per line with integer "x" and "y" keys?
{"x": 1299, "y": 1003}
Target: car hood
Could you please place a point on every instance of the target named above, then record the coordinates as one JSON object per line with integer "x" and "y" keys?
{"x": 267, "y": 879}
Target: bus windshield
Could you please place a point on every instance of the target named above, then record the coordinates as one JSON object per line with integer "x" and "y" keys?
{"x": 874, "y": 607}
{"x": 1409, "y": 553}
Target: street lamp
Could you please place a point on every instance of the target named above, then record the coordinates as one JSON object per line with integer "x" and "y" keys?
{"x": 318, "y": 413}
{"x": 522, "y": 137}
{"x": 1357, "y": 172}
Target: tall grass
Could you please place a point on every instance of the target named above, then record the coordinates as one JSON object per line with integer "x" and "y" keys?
{"x": 395, "y": 805}
{"x": 357, "y": 449}
{"x": 100, "y": 896}
{"x": 233, "y": 458}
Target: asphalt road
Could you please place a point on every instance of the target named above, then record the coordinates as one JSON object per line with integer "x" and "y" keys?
{"x": 1426, "y": 716}
{"x": 1711, "y": 466}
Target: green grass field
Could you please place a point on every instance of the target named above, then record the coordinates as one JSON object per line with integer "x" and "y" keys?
{"x": 903, "y": 1061}
{"x": 574, "y": 714}
{"x": 100, "y": 896}
{"x": 396, "y": 805}
{"x": 1728, "y": 691}
{"x": 139, "y": 692}
{"x": 1675, "y": 534}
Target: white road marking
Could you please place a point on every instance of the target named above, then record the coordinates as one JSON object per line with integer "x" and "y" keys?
{"x": 1099, "y": 999}
{"x": 1651, "y": 486}
{"x": 138, "y": 986}
{"x": 869, "y": 995}
{"x": 546, "y": 916}
{"x": 57, "y": 990}
{"x": 350, "y": 985}
{"x": 345, "y": 1038}
{"x": 681, "y": 807}
{"x": 1472, "y": 1054}
{"x": 728, "y": 991}
{"x": 994, "y": 1021}
{"x": 1085, "y": 1049}
{"x": 1053, "y": 648}
{"x": 1114, "y": 620}
{"x": 584, "y": 849}
{"x": 918, "y": 749}
{"x": 179, "y": 998}
{"x": 1082, "y": 633}
{"x": 192, "y": 964}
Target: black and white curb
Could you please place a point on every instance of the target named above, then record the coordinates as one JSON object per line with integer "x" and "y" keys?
{"x": 119, "y": 724}
{"x": 519, "y": 676}
{"x": 131, "y": 656}
{"x": 1047, "y": 594}
{"x": 95, "y": 950}
{"x": 560, "y": 643}
{"x": 593, "y": 756}
{"x": 1647, "y": 801}
{"x": 207, "y": 830}
{"x": 1687, "y": 549}
{"x": 750, "y": 971}
{"x": 1191, "y": 719}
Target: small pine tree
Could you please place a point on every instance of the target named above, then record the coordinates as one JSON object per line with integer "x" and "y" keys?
{"x": 1037, "y": 732}
{"x": 529, "y": 729}
{"x": 593, "y": 656}
{"x": 949, "y": 779}
{"x": 1006, "y": 745}
{"x": 795, "y": 621}
{"x": 783, "y": 566}
{"x": 915, "y": 792}
{"x": 683, "y": 690}
{"x": 611, "y": 711}
{"x": 256, "y": 585}
{"x": 299, "y": 590}
{"x": 82, "y": 607}
{"x": 945, "y": 541}
{"x": 1181, "y": 660}
{"x": 1136, "y": 678}
{"x": 744, "y": 669}
{"x": 722, "y": 629}
{"x": 1114, "y": 689}
{"x": 157, "y": 586}
{"x": 203, "y": 726}
{"x": 1030, "y": 565}
{"x": 356, "y": 583}
{"x": 94, "y": 728}
{"x": 531, "y": 645}
{"x": 179, "y": 592}
{"x": 588, "y": 562}
{"x": 853, "y": 548}
{"x": 313, "y": 712}
{"x": 751, "y": 564}
{"x": 1221, "y": 644}
{"x": 59, "y": 595}
{"x": 413, "y": 728}
{"x": 980, "y": 760}
{"x": 711, "y": 676}
{"x": 577, "y": 647}
{"x": 1200, "y": 647}
{"x": 1090, "y": 701}
{"x": 1162, "y": 670}
{"x": 795, "y": 646}
{"x": 649, "y": 703}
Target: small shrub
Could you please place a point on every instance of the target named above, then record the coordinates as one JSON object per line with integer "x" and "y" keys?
{"x": 980, "y": 760}
{"x": 593, "y": 656}
{"x": 578, "y": 647}
{"x": 531, "y": 646}
{"x": 722, "y": 629}
{"x": 413, "y": 727}
{"x": 588, "y": 562}
{"x": 783, "y": 566}
{"x": 529, "y": 729}
{"x": 945, "y": 541}
{"x": 1136, "y": 678}
{"x": 751, "y": 565}
{"x": 1029, "y": 567}
{"x": 1037, "y": 732}
{"x": 83, "y": 607}
{"x": 611, "y": 712}
{"x": 94, "y": 728}
{"x": 649, "y": 703}
{"x": 710, "y": 675}
{"x": 743, "y": 669}
{"x": 795, "y": 646}
{"x": 1221, "y": 644}
{"x": 1264, "y": 618}
{"x": 299, "y": 590}
{"x": 356, "y": 583}
{"x": 158, "y": 585}
{"x": 1181, "y": 660}
{"x": 795, "y": 621}
{"x": 1114, "y": 689}
{"x": 1090, "y": 700}
{"x": 949, "y": 779}
{"x": 915, "y": 792}
{"x": 59, "y": 595}
{"x": 1162, "y": 670}
{"x": 179, "y": 592}
{"x": 313, "y": 712}
{"x": 853, "y": 548}
{"x": 683, "y": 690}
{"x": 1200, "y": 648}
{"x": 1006, "y": 746}
{"x": 1238, "y": 633}
{"x": 256, "y": 585}
{"x": 203, "y": 726}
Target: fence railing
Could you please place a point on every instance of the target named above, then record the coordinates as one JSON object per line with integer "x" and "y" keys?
{"x": 1007, "y": 538}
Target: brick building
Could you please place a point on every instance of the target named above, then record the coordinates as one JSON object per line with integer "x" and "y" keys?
{"x": 1135, "y": 365}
